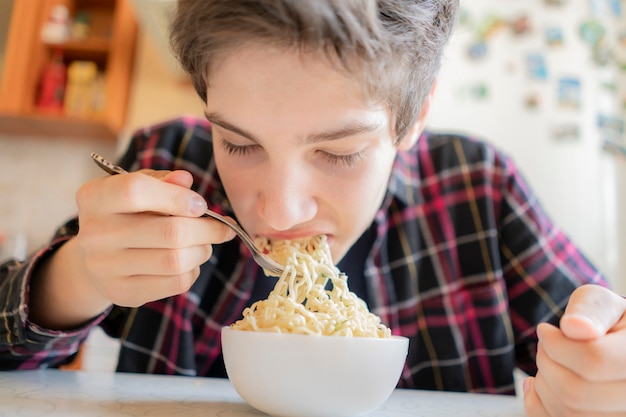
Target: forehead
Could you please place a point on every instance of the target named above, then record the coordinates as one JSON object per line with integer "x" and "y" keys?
{"x": 263, "y": 62}
{"x": 289, "y": 82}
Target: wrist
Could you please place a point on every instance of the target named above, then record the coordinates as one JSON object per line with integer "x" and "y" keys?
{"x": 61, "y": 297}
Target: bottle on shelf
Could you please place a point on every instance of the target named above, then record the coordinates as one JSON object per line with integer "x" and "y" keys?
{"x": 52, "y": 85}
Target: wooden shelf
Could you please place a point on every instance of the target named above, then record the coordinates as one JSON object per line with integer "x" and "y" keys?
{"x": 90, "y": 45}
{"x": 56, "y": 127}
{"x": 111, "y": 45}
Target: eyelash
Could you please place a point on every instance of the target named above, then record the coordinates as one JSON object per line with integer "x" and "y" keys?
{"x": 238, "y": 150}
{"x": 347, "y": 160}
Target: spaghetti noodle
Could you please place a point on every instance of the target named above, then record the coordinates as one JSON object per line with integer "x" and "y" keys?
{"x": 301, "y": 303}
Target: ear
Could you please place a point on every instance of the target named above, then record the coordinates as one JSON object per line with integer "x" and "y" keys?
{"x": 415, "y": 131}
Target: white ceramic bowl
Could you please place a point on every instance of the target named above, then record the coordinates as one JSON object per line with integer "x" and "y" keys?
{"x": 288, "y": 375}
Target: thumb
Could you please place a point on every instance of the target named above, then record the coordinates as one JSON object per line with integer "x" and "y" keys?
{"x": 591, "y": 312}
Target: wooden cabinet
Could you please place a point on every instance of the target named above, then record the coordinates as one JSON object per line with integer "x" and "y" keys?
{"x": 110, "y": 44}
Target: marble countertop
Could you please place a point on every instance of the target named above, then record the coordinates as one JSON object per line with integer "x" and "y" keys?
{"x": 104, "y": 394}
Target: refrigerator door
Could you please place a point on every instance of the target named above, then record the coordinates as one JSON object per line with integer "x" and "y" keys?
{"x": 545, "y": 81}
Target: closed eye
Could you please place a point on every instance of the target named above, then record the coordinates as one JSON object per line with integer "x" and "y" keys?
{"x": 348, "y": 160}
{"x": 238, "y": 150}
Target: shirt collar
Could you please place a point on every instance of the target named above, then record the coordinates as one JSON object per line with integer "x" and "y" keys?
{"x": 404, "y": 181}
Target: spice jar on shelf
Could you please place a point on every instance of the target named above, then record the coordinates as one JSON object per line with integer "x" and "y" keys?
{"x": 81, "y": 88}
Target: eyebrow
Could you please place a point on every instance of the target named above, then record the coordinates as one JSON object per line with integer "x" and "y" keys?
{"x": 351, "y": 129}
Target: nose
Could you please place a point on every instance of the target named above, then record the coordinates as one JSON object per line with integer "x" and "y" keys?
{"x": 287, "y": 197}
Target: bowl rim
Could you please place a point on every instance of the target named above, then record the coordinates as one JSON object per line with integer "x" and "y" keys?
{"x": 261, "y": 333}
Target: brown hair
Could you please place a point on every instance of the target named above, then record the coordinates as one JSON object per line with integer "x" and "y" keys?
{"x": 394, "y": 47}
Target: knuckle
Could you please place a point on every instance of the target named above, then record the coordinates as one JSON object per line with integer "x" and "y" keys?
{"x": 174, "y": 232}
{"x": 173, "y": 261}
{"x": 179, "y": 198}
{"x": 594, "y": 367}
{"x": 90, "y": 233}
{"x": 574, "y": 395}
{"x": 131, "y": 190}
{"x": 83, "y": 194}
{"x": 182, "y": 282}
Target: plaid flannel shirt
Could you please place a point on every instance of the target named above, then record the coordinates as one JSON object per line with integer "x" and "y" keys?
{"x": 465, "y": 263}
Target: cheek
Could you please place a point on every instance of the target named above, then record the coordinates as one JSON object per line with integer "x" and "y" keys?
{"x": 360, "y": 195}
{"x": 236, "y": 181}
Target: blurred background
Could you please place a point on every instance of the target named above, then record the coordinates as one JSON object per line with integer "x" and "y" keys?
{"x": 545, "y": 80}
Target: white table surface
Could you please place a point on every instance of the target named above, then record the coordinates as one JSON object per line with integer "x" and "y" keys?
{"x": 104, "y": 394}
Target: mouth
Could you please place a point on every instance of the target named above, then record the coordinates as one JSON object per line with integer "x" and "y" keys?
{"x": 293, "y": 235}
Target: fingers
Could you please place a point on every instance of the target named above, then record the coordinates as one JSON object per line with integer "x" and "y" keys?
{"x": 592, "y": 310}
{"x": 149, "y": 230}
{"x": 598, "y": 360}
{"x": 532, "y": 403}
{"x": 553, "y": 405}
{"x": 591, "y": 392}
{"x": 154, "y": 262}
{"x": 580, "y": 377}
{"x": 139, "y": 192}
{"x": 541, "y": 401}
{"x": 138, "y": 290}
{"x": 140, "y": 236}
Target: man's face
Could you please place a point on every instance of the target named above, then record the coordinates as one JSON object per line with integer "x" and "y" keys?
{"x": 299, "y": 148}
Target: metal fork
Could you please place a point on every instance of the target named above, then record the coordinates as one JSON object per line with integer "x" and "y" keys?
{"x": 263, "y": 260}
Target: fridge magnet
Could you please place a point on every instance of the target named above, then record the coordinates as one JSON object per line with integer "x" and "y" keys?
{"x": 554, "y": 36}
{"x": 479, "y": 91}
{"x": 565, "y": 132}
{"x": 606, "y": 7}
{"x": 537, "y": 66}
{"x": 592, "y": 32}
{"x": 477, "y": 50}
{"x": 614, "y": 148}
{"x": 489, "y": 26}
{"x": 569, "y": 92}
{"x": 602, "y": 54}
{"x": 475, "y": 91}
{"x": 615, "y": 6}
{"x": 610, "y": 86}
{"x": 532, "y": 101}
{"x": 611, "y": 126}
{"x": 465, "y": 19}
{"x": 621, "y": 38}
{"x": 520, "y": 26}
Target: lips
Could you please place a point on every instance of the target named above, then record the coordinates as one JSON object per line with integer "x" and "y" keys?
{"x": 291, "y": 235}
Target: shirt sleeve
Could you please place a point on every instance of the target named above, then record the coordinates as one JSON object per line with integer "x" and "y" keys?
{"x": 23, "y": 344}
{"x": 541, "y": 265}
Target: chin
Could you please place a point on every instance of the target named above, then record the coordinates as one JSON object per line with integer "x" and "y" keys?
{"x": 338, "y": 253}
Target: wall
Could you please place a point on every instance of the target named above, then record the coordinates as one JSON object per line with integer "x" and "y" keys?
{"x": 158, "y": 92}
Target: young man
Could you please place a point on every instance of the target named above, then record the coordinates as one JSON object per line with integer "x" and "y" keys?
{"x": 316, "y": 112}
